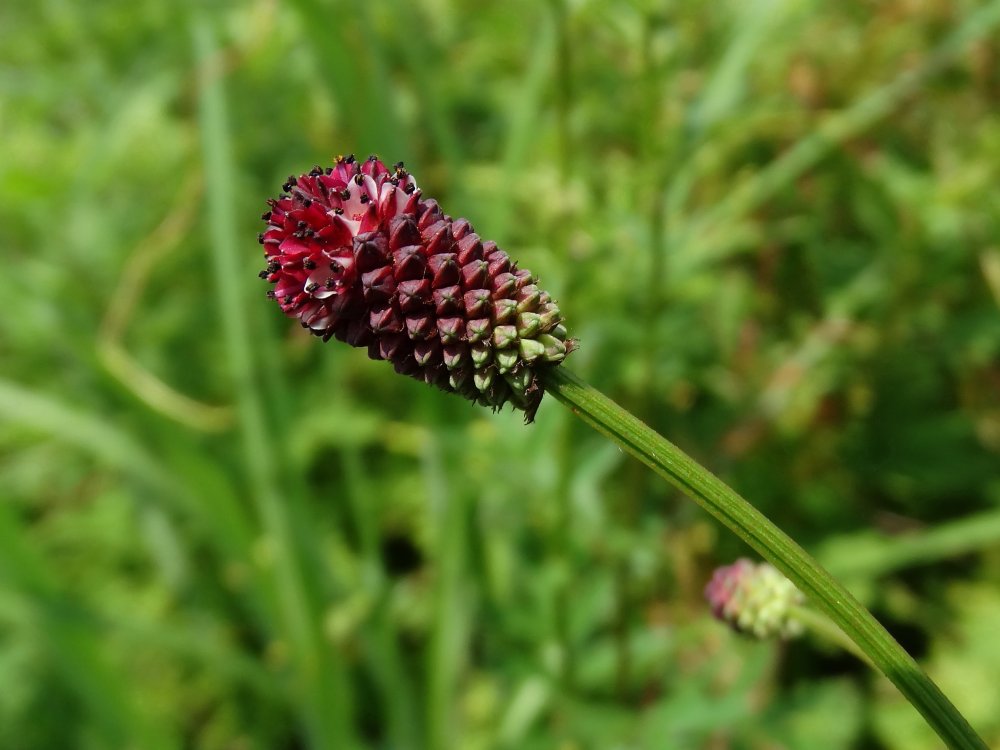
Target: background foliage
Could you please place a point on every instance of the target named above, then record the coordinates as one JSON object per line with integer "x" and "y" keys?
{"x": 772, "y": 224}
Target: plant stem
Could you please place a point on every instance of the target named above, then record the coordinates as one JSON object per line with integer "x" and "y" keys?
{"x": 821, "y": 625}
{"x": 827, "y": 595}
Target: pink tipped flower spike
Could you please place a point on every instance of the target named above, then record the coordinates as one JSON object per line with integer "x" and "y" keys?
{"x": 755, "y": 599}
{"x": 354, "y": 251}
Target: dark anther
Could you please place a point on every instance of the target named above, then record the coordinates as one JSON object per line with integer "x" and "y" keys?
{"x": 329, "y": 170}
{"x": 311, "y": 287}
{"x": 359, "y": 179}
{"x": 270, "y": 294}
{"x": 260, "y": 237}
{"x": 350, "y": 159}
{"x": 301, "y": 225}
{"x": 316, "y": 171}
{"x": 410, "y": 187}
{"x": 398, "y": 166}
{"x": 288, "y": 299}
{"x": 394, "y": 181}
{"x": 364, "y": 198}
{"x": 266, "y": 216}
{"x": 329, "y": 283}
{"x": 263, "y": 274}
{"x": 306, "y": 202}
{"x": 309, "y": 264}
{"x": 338, "y": 211}
{"x": 372, "y": 157}
{"x": 345, "y": 194}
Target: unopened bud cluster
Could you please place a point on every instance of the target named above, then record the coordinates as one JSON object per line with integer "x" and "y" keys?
{"x": 355, "y": 252}
{"x": 756, "y": 599}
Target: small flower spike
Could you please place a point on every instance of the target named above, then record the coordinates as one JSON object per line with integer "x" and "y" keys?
{"x": 355, "y": 251}
{"x": 755, "y": 599}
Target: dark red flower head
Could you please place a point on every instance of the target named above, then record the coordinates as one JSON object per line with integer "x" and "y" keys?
{"x": 354, "y": 251}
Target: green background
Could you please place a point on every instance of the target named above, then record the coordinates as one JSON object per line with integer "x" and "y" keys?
{"x": 773, "y": 226}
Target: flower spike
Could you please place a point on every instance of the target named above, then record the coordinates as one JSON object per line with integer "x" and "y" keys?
{"x": 355, "y": 252}
{"x": 755, "y": 599}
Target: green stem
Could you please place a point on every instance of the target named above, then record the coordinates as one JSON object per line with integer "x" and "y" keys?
{"x": 821, "y": 625}
{"x": 826, "y": 594}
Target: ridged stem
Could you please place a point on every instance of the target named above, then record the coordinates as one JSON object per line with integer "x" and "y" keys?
{"x": 821, "y": 625}
{"x": 826, "y": 594}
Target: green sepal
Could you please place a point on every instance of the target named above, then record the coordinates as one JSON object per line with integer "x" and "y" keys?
{"x": 553, "y": 349}
{"x": 530, "y": 297}
{"x": 478, "y": 330}
{"x": 504, "y": 337}
{"x": 480, "y": 355}
{"x": 483, "y": 379}
{"x": 458, "y": 378}
{"x": 453, "y": 359}
{"x": 532, "y": 349}
{"x": 506, "y": 360}
{"x": 504, "y": 311}
{"x": 528, "y": 324}
{"x": 519, "y": 380}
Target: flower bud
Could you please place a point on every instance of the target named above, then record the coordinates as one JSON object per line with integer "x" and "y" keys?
{"x": 755, "y": 599}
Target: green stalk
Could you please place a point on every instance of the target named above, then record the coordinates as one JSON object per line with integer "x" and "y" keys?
{"x": 826, "y": 594}
{"x": 823, "y": 626}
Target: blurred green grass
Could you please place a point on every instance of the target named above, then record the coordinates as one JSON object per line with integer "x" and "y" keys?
{"x": 773, "y": 226}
